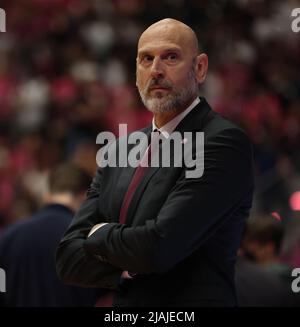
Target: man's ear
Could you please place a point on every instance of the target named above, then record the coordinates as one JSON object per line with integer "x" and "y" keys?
{"x": 201, "y": 67}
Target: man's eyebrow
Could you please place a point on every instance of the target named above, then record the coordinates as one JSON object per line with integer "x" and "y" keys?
{"x": 148, "y": 51}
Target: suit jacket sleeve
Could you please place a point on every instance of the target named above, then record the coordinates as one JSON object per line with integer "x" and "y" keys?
{"x": 193, "y": 211}
{"x": 73, "y": 264}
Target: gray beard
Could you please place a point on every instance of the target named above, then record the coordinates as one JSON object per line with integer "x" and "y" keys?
{"x": 174, "y": 101}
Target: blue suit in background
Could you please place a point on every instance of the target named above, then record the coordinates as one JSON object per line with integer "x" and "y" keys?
{"x": 27, "y": 254}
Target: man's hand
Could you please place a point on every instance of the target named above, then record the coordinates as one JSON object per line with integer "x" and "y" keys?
{"x": 125, "y": 275}
{"x": 95, "y": 228}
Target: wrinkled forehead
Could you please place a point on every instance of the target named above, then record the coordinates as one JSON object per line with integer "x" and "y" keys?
{"x": 164, "y": 36}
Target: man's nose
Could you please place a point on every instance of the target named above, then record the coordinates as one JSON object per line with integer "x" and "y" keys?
{"x": 157, "y": 69}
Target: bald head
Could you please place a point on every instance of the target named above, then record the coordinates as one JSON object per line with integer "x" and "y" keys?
{"x": 169, "y": 67}
{"x": 174, "y": 31}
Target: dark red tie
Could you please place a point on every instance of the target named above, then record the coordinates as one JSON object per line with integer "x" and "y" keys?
{"x": 107, "y": 299}
{"x": 137, "y": 177}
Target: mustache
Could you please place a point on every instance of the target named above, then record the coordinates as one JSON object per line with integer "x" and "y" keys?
{"x": 155, "y": 82}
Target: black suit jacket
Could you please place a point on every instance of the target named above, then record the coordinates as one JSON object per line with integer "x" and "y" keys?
{"x": 181, "y": 235}
{"x": 27, "y": 254}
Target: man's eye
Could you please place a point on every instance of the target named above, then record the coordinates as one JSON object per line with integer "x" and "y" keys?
{"x": 147, "y": 59}
{"x": 172, "y": 56}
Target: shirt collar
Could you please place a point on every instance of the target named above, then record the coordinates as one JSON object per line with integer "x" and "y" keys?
{"x": 169, "y": 127}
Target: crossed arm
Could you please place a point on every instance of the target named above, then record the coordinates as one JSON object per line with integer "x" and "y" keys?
{"x": 193, "y": 211}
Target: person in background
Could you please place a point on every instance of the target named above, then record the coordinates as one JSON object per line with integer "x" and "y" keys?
{"x": 262, "y": 244}
{"x": 27, "y": 248}
{"x": 262, "y": 279}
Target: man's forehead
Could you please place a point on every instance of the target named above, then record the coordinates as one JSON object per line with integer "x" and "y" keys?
{"x": 167, "y": 35}
{"x": 164, "y": 33}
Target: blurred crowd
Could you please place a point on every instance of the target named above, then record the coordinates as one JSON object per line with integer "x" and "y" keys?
{"x": 67, "y": 72}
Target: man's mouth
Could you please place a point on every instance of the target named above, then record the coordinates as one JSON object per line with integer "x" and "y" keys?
{"x": 160, "y": 88}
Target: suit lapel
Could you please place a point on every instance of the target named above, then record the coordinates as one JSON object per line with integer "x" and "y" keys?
{"x": 149, "y": 173}
{"x": 139, "y": 192}
{"x": 122, "y": 186}
{"x": 194, "y": 120}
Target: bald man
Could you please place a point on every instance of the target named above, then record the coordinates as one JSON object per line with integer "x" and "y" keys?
{"x": 153, "y": 236}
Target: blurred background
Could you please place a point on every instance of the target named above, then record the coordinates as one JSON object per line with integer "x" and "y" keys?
{"x": 67, "y": 72}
